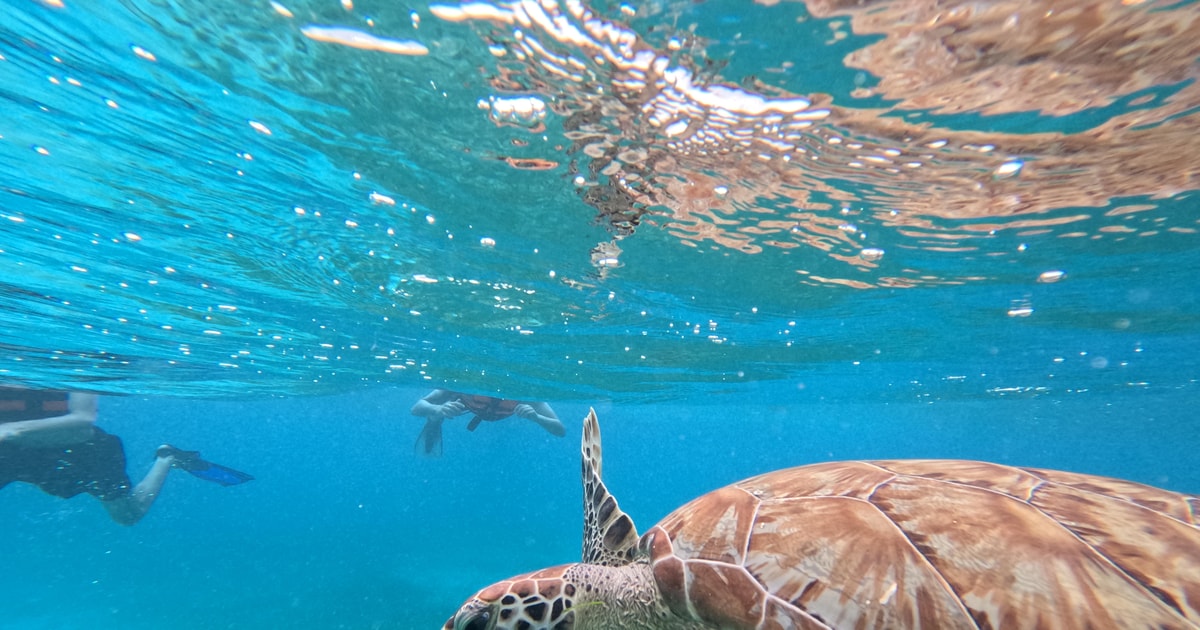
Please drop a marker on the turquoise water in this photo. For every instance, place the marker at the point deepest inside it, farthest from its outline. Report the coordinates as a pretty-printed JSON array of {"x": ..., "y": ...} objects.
[
  {"x": 796, "y": 242},
  {"x": 345, "y": 527}
]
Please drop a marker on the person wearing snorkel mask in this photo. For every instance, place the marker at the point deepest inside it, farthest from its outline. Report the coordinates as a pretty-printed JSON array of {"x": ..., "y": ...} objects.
[{"x": 441, "y": 404}]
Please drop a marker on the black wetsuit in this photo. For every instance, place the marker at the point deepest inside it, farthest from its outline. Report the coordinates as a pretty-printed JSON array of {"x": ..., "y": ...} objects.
[{"x": 96, "y": 466}]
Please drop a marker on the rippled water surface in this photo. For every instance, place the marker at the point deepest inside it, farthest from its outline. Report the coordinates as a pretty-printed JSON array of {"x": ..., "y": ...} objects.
[
  {"x": 210, "y": 198},
  {"x": 760, "y": 233}
]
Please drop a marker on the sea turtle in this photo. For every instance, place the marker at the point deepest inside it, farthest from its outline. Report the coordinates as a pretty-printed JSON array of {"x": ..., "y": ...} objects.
[{"x": 871, "y": 544}]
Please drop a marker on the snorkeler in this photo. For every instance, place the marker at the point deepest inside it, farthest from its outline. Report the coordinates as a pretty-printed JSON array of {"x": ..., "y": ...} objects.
[
  {"x": 441, "y": 404},
  {"x": 49, "y": 439}
]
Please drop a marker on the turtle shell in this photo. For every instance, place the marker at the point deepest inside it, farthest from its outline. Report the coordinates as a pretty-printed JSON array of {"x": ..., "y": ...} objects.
[{"x": 931, "y": 544}]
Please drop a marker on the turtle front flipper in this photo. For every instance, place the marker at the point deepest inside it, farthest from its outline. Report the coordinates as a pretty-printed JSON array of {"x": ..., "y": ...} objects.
[{"x": 609, "y": 535}]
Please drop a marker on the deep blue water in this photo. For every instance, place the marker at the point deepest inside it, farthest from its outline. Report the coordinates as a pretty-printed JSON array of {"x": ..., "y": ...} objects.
[
  {"x": 345, "y": 527},
  {"x": 801, "y": 242}
]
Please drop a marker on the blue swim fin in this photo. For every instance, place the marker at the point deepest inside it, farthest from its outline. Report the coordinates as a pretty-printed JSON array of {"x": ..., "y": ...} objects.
[
  {"x": 190, "y": 462},
  {"x": 217, "y": 473}
]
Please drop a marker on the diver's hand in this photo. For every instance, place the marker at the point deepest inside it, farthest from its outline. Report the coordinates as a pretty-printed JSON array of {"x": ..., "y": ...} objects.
[
  {"x": 549, "y": 423},
  {"x": 452, "y": 409}
]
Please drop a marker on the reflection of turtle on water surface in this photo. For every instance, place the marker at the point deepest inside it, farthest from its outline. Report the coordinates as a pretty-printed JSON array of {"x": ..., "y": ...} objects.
[{"x": 886, "y": 544}]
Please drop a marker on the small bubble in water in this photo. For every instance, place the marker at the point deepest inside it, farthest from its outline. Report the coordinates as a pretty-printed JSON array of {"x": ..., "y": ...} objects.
[
  {"x": 143, "y": 53},
  {"x": 1048, "y": 277},
  {"x": 721, "y": 191},
  {"x": 528, "y": 111},
  {"x": 677, "y": 127},
  {"x": 1099, "y": 363},
  {"x": 1020, "y": 310},
  {"x": 871, "y": 254},
  {"x": 1009, "y": 168},
  {"x": 487, "y": 241},
  {"x": 380, "y": 198}
]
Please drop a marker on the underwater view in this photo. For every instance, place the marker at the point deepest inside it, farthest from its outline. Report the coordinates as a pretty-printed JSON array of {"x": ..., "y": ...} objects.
[{"x": 376, "y": 261}]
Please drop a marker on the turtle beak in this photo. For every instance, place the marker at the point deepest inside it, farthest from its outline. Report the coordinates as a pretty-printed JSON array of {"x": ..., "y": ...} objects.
[{"x": 475, "y": 615}]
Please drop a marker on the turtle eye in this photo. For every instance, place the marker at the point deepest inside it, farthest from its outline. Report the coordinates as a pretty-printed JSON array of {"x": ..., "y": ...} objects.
[{"x": 474, "y": 620}]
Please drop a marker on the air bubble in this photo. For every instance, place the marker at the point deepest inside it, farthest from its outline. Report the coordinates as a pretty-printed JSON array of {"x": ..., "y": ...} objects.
[
  {"x": 526, "y": 111},
  {"x": 1009, "y": 169},
  {"x": 676, "y": 128},
  {"x": 1020, "y": 310},
  {"x": 1048, "y": 277}
]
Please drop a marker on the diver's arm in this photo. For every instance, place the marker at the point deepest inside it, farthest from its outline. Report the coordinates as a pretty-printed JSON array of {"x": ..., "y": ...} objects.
[
  {"x": 439, "y": 404},
  {"x": 71, "y": 428},
  {"x": 542, "y": 414}
]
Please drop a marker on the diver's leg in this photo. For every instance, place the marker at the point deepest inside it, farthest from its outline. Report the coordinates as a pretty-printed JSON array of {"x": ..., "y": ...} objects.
[
  {"x": 431, "y": 437},
  {"x": 130, "y": 508}
]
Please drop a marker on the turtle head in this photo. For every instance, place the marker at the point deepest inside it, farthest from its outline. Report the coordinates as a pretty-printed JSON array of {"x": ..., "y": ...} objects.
[
  {"x": 546, "y": 599},
  {"x": 542, "y": 600}
]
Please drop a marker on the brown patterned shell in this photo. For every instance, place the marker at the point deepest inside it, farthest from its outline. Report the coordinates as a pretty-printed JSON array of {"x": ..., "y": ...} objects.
[{"x": 931, "y": 544}]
